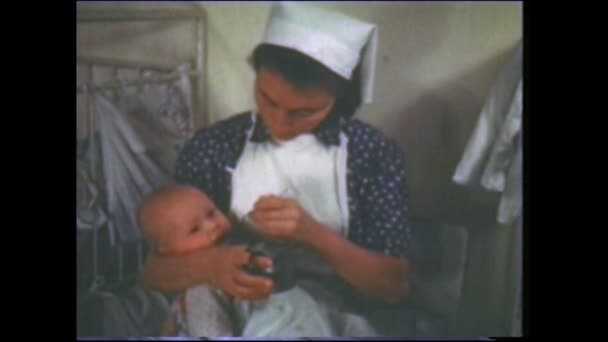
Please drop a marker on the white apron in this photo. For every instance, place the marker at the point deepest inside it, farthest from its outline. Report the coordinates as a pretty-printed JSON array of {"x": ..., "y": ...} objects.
[{"x": 314, "y": 175}]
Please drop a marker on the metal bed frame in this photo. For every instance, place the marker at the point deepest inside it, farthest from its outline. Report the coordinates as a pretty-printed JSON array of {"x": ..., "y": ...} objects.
[
  {"x": 121, "y": 15},
  {"x": 115, "y": 13}
]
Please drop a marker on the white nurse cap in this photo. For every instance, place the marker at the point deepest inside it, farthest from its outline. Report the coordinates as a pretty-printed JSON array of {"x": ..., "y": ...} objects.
[{"x": 331, "y": 38}]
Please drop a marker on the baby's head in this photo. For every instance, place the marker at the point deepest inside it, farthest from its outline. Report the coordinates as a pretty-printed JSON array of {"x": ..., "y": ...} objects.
[{"x": 179, "y": 219}]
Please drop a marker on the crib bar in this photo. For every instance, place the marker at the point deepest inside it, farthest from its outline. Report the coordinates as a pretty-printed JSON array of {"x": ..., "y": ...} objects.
[
  {"x": 120, "y": 262},
  {"x": 84, "y": 15},
  {"x": 122, "y": 63},
  {"x": 130, "y": 83},
  {"x": 87, "y": 105},
  {"x": 88, "y": 13},
  {"x": 201, "y": 86},
  {"x": 92, "y": 126},
  {"x": 140, "y": 258},
  {"x": 91, "y": 117},
  {"x": 115, "y": 76},
  {"x": 140, "y": 77}
]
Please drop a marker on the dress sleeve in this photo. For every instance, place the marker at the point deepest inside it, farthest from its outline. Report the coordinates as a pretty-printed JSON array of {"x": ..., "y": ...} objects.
[{"x": 386, "y": 224}]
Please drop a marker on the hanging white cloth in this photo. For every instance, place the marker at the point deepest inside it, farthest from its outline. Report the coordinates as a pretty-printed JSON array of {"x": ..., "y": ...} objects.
[
  {"x": 493, "y": 160},
  {"x": 140, "y": 132},
  {"x": 89, "y": 214},
  {"x": 493, "y": 155}
]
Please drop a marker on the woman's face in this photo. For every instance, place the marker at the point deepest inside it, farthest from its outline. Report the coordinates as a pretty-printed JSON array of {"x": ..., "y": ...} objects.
[{"x": 289, "y": 111}]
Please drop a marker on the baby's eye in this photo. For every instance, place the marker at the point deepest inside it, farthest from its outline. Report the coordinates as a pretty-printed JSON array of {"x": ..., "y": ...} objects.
[
  {"x": 210, "y": 213},
  {"x": 194, "y": 229}
]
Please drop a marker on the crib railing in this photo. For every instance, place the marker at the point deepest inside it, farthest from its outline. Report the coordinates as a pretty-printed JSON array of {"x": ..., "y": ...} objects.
[{"x": 115, "y": 265}]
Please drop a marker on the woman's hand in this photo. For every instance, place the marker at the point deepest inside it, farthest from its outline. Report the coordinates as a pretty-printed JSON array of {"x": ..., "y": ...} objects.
[
  {"x": 381, "y": 276},
  {"x": 283, "y": 219},
  {"x": 228, "y": 274}
]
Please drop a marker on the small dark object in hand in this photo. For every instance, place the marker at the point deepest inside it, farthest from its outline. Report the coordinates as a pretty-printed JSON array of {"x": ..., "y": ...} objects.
[{"x": 282, "y": 273}]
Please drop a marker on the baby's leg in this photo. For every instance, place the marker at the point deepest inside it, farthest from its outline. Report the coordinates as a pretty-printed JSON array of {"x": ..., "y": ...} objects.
[{"x": 207, "y": 313}]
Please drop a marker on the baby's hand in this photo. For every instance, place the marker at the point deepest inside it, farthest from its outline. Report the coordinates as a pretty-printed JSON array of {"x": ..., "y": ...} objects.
[
  {"x": 230, "y": 276},
  {"x": 259, "y": 264}
]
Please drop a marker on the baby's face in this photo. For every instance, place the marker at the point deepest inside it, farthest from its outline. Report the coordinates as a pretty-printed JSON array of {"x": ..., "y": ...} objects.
[{"x": 188, "y": 221}]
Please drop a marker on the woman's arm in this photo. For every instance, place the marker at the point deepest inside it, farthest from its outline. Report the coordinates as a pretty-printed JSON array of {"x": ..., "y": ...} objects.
[
  {"x": 377, "y": 275},
  {"x": 174, "y": 274},
  {"x": 380, "y": 276},
  {"x": 218, "y": 266}
]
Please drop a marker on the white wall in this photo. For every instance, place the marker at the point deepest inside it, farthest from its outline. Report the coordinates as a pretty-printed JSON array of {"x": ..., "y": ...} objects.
[{"x": 436, "y": 64}]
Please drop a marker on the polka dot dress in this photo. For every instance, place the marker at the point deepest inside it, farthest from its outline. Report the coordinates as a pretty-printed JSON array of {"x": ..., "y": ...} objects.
[{"x": 376, "y": 182}]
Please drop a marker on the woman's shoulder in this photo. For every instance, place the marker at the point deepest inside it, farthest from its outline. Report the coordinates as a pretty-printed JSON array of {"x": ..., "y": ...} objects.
[
  {"x": 225, "y": 129},
  {"x": 372, "y": 152},
  {"x": 363, "y": 136},
  {"x": 223, "y": 139}
]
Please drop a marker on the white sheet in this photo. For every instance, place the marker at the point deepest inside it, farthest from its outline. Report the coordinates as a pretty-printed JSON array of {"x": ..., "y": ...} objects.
[
  {"x": 140, "y": 133},
  {"x": 493, "y": 155}
]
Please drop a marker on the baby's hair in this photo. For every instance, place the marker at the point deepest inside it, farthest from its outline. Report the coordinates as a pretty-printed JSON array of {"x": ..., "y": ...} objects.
[{"x": 158, "y": 194}]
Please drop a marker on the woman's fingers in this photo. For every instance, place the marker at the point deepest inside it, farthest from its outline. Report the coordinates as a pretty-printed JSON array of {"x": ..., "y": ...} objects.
[
  {"x": 240, "y": 256},
  {"x": 279, "y": 227},
  {"x": 247, "y": 286},
  {"x": 242, "y": 278},
  {"x": 275, "y": 228},
  {"x": 236, "y": 282},
  {"x": 263, "y": 262},
  {"x": 287, "y": 213},
  {"x": 270, "y": 202}
]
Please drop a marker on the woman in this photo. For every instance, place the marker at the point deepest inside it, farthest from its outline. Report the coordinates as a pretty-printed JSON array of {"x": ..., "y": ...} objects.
[{"x": 303, "y": 171}]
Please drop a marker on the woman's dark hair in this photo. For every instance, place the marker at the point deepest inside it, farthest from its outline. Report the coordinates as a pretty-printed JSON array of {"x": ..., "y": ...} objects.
[{"x": 304, "y": 72}]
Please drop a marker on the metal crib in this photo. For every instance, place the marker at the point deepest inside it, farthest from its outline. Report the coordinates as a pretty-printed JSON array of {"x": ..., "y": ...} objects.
[{"x": 107, "y": 268}]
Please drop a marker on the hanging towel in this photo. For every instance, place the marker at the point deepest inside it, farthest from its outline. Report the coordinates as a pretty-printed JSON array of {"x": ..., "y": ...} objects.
[{"x": 492, "y": 156}]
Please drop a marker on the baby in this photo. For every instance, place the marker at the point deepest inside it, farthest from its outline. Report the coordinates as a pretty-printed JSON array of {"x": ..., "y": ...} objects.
[
  {"x": 180, "y": 219},
  {"x": 177, "y": 220}
]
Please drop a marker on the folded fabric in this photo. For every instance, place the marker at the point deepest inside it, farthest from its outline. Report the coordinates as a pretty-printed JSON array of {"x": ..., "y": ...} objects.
[{"x": 493, "y": 155}]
